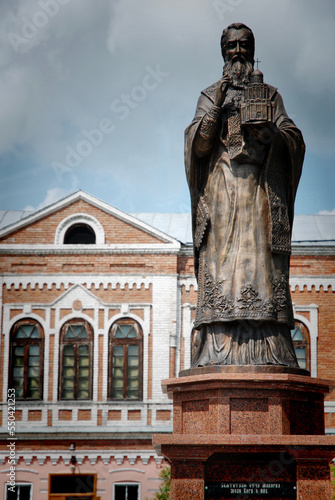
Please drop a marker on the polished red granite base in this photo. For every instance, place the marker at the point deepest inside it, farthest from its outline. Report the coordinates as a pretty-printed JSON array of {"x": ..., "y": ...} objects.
[{"x": 248, "y": 435}]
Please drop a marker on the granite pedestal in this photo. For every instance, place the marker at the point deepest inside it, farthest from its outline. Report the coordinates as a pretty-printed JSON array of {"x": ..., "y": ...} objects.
[{"x": 242, "y": 433}]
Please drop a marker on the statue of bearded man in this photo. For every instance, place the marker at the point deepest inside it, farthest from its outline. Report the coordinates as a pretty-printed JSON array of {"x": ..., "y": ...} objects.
[{"x": 243, "y": 159}]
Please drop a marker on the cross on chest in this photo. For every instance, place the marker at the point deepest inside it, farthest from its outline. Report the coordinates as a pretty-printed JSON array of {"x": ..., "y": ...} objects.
[{"x": 281, "y": 207}]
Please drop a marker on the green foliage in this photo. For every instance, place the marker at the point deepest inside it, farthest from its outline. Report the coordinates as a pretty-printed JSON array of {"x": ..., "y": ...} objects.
[
  {"x": 164, "y": 489},
  {"x": 332, "y": 476}
]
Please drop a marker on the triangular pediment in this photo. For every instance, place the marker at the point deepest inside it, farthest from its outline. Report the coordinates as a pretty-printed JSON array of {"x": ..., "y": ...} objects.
[
  {"x": 78, "y": 298},
  {"x": 113, "y": 226}
]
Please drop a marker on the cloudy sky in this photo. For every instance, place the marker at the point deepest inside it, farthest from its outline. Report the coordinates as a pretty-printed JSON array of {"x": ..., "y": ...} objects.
[{"x": 95, "y": 95}]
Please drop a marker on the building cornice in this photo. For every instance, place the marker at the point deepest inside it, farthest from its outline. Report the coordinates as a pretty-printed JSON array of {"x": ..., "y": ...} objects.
[
  {"x": 297, "y": 249},
  {"x": 133, "y": 248},
  {"x": 313, "y": 250},
  {"x": 92, "y": 455}
]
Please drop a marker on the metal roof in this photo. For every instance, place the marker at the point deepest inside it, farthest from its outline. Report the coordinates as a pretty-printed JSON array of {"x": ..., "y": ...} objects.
[
  {"x": 307, "y": 229},
  {"x": 8, "y": 217},
  {"x": 314, "y": 228},
  {"x": 179, "y": 226}
]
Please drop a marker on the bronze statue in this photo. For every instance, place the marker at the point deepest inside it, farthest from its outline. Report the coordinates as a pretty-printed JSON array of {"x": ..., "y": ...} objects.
[{"x": 243, "y": 159}]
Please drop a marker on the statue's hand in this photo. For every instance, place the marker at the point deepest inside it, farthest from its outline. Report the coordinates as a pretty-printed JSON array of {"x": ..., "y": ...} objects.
[
  {"x": 262, "y": 132},
  {"x": 221, "y": 91}
]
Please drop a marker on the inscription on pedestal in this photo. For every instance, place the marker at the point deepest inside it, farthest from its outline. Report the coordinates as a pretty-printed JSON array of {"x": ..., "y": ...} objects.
[{"x": 243, "y": 490}]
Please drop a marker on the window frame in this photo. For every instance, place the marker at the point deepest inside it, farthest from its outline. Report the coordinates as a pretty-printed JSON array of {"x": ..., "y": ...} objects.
[
  {"x": 76, "y": 342},
  {"x": 26, "y": 342},
  {"x": 305, "y": 343},
  {"x": 21, "y": 483},
  {"x": 112, "y": 341},
  {"x": 127, "y": 483}
]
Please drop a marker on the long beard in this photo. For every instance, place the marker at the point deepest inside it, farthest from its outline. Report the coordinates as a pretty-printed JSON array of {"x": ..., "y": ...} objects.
[{"x": 238, "y": 71}]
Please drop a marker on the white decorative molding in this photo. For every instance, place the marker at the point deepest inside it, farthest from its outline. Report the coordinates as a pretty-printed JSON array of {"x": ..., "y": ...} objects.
[
  {"x": 295, "y": 281},
  {"x": 19, "y": 470},
  {"x": 124, "y": 425},
  {"x": 187, "y": 282},
  {"x": 124, "y": 308},
  {"x": 27, "y": 308},
  {"x": 164, "y": 314},
  {"x": 80, "y": 218},
  {"x": 92, "y": 455},
  {"x": 90, "y": 280},
  {"x": 187, "y": 326},
  {"x": 77, "y": 292},
  {"x": 110, "y": 249},
  {"x": 173, "y": 340},
  {"x": 128, "y": 470},
  {"x": 178, "y": 331},
  {"x": 329, "y": 406},
  {"x": 317, "y": 248},
  {"x": 310, "y": 281}
]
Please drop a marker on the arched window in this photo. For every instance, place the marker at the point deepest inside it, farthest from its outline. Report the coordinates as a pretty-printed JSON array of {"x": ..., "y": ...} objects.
[
  {"x": 79, "y": 234},
  {"x": 301, "y": 343},
  {"x": 125, "y": 362},
  {"x": 26, "y": 359},
  {"x": 76, "y": 348}
]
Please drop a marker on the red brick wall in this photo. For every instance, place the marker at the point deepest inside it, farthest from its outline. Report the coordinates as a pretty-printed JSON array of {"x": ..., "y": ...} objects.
[
  {"x": 84, "y": 414},
  {"x": 34, "y": 415},
  {"x": 163, "y": 415},
  {"x": 185, "y": 265},
  {"x": 65, "y": 414},
  {"x": 47, "y": 296},
  {"x": 86, "y": 263},
  {"x": 313, "y": 265}
]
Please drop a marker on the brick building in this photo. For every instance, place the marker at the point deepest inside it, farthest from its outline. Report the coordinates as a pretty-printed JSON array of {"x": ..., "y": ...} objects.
[{"x": 97, "y": 308}]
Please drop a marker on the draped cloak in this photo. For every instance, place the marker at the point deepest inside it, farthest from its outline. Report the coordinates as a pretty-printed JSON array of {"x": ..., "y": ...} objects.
[{"x": 242, "y": 216}]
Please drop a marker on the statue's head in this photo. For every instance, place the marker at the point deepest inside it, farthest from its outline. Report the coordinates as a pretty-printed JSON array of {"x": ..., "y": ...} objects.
[
  {"x": 238, "y": 49},
  {"x": 237, "y": 41}
]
